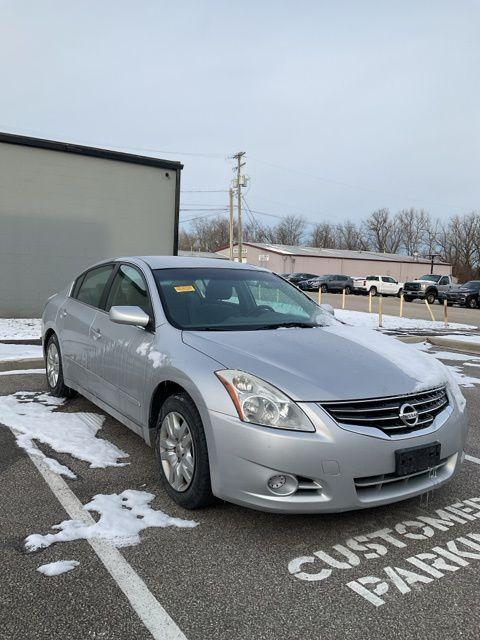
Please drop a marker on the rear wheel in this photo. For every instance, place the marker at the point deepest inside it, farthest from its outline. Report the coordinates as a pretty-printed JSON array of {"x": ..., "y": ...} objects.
[
  {"x": 472, "y": 302},
  {"x": 324, "y": 288},
  {"x": 182, "y": 454},
  {"x": 54, "y": 369}
]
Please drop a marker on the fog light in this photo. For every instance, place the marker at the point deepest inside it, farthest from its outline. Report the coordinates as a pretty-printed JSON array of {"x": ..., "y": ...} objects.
[{"x": 283, "y": 484}]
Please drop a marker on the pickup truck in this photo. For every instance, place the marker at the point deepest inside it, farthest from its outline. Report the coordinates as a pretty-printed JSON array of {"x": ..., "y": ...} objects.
[
  {"x": 430, "y": 287},
  {"x": 384, "y": 285}
]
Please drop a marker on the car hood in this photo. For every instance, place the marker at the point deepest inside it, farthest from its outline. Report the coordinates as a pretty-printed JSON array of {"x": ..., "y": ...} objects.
[{"x": 325, "y": 363}]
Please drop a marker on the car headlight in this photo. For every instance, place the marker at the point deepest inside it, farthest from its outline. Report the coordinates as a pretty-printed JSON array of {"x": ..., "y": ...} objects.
[
  {"x": 423, "y": 285},
  {"x": 258, "y": 402}
]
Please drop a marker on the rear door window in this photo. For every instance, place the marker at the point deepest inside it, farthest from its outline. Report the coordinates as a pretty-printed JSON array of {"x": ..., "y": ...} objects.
[{"x": 90, "y": 291}]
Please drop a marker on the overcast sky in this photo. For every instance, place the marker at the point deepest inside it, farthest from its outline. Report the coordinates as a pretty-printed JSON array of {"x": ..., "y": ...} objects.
[{"x": 342, "y": 106}]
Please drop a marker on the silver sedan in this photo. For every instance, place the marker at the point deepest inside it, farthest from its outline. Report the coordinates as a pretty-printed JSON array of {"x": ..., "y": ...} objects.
[{"x": 249, "y": 391}]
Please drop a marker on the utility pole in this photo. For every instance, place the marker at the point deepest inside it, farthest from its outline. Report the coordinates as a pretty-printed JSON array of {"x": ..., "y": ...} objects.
[
  {"x": 230, "y": 193},
  {"x": 238, "y": 157}
]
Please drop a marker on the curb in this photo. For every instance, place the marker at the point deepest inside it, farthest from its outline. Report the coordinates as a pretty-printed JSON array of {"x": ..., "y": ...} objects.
[{"x": 462, "y": 345}]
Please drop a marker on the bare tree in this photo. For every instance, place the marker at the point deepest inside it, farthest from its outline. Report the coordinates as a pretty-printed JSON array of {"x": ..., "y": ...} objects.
[
  {"x": 413, "y": 228},
  {"x": 290, "y": 230},
  {"x": 350, "y": 236},
  {"x": 382, "y": 232},
  {"x": 324, "y": 235}
]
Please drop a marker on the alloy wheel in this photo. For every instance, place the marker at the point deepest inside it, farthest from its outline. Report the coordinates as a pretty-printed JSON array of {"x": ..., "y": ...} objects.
[
  {"x": 177, "y": 452},
  {"x": 53, "y": 364}
]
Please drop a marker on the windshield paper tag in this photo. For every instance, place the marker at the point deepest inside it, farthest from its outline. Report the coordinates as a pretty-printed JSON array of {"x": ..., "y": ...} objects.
[{"x": 185, "y": 288}]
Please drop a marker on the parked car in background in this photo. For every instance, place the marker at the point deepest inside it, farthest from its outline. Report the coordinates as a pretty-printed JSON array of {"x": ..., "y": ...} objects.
[
  {"x": 466, "y": 295},
  {"x": 249, "y": 391},
  {"x": 384, "y": 285},
  {"x": 430, "y": 287},
  {"x": 328, "y": 284},
  {"x": 296, "y": 278}
]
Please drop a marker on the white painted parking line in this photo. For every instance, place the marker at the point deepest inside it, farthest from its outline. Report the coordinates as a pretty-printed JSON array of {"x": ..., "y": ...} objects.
[
  {"x": 472, "y": 459},
  {"x": 16, "y": 372},
  {"x": 146, "y": 606}
]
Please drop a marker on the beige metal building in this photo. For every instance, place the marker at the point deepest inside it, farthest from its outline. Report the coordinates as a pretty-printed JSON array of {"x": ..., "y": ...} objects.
[
  {"x": 297, "y": 259},
  {"x": 64, "y": 207}
]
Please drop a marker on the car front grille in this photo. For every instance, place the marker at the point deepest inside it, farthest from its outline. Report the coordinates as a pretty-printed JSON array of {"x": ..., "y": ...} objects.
[
  {"x": 384, "y": 413},
  {"x": 411, "y": 286}
]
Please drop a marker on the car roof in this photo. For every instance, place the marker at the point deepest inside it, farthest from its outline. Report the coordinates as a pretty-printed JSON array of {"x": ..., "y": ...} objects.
[{"x": 186, "y": 262}]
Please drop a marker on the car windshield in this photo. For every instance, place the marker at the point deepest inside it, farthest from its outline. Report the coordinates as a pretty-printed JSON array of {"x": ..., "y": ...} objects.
[
  {"x": 206, "y": 299},
  {"x": 431, "y": 278},
  {"x": 471, "y": 284}
]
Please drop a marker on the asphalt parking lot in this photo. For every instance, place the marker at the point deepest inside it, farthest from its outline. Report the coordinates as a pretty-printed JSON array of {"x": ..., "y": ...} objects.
[{"x": 240, "y": 573}]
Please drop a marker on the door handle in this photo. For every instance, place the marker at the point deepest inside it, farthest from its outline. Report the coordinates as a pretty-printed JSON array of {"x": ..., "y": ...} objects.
[{"x": 96, "y": 334}]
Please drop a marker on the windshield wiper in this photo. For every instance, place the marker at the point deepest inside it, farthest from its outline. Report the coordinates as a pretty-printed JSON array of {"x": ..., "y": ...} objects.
[{"x": 281, "y": 325}]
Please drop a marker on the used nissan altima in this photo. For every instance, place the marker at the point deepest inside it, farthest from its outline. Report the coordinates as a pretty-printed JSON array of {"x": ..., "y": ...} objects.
[{"x": 249, "y": 391}]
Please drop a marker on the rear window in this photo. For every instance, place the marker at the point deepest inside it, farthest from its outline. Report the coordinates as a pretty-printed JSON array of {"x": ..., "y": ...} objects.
[{"x": 90, "y": 291}]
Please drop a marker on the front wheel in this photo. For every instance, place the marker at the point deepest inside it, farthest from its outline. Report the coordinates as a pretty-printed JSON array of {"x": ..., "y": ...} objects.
[
  {"x": 182, "y": 454},
  {"x": 54, "y": 369},
  {"x": 399, "y": 294},
  {"x": 373, "y": 291},
  {"x": 431, "y": 297},
  {"x": 408, "y": 298},
  {"x": 348, "y": 291},
  {"x": 324, "y": 288}
]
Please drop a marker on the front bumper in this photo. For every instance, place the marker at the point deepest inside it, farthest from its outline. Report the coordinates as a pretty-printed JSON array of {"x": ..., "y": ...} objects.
[
  {"x": 414, "y": 294},
  {"x": 338, "y": 469}
]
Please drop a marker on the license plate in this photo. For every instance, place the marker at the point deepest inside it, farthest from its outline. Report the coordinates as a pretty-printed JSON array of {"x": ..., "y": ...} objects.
[{"x": 416, "y": 459}]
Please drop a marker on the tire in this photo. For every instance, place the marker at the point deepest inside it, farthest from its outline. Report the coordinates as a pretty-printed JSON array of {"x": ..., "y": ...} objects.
[
  {"x": 348, "y": 291},
  {"x": 324, "y": 288},
  {"x": 471, "y": 302},
  {"x": 373, "y": 291},
  {"x": 54, "y": 370},
  {"x": 196, "y": 492},
  {"x": 430, "y": 297},
  {"x": 399, "y": 294},
  {"x": 408, "y": 298}
]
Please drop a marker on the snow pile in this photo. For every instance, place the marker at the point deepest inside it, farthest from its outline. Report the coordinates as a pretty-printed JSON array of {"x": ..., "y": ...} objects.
[
  {"x": 462, "y": 379},
  {"x": 470, "y": 339},
  {"x": 20, "y": 328},
  {"x": 11, "y": 352},
  {"x": 122, "y": 517},
  {"x": 370, "y": 320},
  {"x": 56, "y": 568},
  {"x": 32, "y": 416},
  {"x": 428, "y": 372}
]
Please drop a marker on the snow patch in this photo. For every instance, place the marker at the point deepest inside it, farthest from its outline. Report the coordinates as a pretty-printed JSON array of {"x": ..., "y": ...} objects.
[
  {"x": 20, "y": 328},
  {"x": 32, "y": 416},
  {"x": 11, "y": 352},
  {"x": 122, "y": 517},
  {"x": 56, "y": 568},
  {"x": 370, "y": 320},
  {"x": 428, "y": 372},
  {"x": 462, "y": 379}
]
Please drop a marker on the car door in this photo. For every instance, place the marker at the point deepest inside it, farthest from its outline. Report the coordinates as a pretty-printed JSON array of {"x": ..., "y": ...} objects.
[
  {"x": 122, "y": 350},
  {"x": 389, "y": 286},
  {"x": 75, "y": 318},
  {"x": 444, "y": 284}
]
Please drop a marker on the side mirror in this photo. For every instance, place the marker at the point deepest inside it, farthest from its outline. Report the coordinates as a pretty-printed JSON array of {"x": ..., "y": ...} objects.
[
  {"x": 328, "y": 308},
  {"x": 129, "y": 315}
]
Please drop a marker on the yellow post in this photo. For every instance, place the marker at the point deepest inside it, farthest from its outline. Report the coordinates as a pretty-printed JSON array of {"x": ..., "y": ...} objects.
[
  {"x": 369, "y": 302},
  {"x": 319, "y": 295},
  {"x": 401, "y": 305},
  {"x": 380, "y": 309},
  {"x": 429, "y": 310},
  {"x": 343, "y": 299},
  {"x": 445, "y": 312}
]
